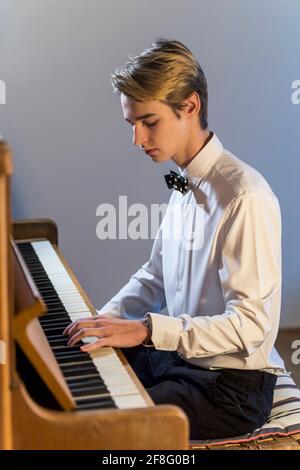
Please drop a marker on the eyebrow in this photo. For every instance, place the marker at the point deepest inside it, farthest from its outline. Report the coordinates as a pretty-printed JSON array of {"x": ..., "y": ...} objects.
[{"x": 144, "y": 116}]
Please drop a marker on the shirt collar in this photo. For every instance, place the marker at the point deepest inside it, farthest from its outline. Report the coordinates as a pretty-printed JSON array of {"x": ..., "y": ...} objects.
[{"x": 199, "y": 167}]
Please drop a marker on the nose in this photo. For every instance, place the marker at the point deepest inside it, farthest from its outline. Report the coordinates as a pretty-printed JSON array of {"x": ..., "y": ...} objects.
[{"x": 139, "y": 136}]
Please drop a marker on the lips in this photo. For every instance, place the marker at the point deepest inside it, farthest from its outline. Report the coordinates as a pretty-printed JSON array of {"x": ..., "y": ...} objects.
[{"x": 151, "y": 151}]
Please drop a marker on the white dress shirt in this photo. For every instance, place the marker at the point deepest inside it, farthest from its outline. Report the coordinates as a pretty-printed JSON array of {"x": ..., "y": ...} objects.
[{"x": 217, "y": 268}]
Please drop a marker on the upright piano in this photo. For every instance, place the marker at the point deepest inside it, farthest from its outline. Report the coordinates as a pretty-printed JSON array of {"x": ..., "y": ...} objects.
[{"x": 53, "y": 396}]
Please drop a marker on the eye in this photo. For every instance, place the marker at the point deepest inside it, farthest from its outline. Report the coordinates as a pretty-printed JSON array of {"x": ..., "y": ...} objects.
[{"x": 150, "y": 124}]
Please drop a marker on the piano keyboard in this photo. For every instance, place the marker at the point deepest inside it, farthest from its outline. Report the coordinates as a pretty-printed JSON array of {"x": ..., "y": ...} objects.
[{"x": 96, "y": 380}]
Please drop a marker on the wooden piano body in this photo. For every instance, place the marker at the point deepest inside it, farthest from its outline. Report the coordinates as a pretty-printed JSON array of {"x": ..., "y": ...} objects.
[{"x": 29, "y": 372}]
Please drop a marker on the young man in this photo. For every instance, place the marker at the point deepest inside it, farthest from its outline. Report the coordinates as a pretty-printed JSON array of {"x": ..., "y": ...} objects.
[{"x": 213, "y": 355}]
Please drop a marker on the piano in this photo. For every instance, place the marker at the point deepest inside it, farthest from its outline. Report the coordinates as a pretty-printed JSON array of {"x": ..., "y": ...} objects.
[{"x": 53, "y": 396}]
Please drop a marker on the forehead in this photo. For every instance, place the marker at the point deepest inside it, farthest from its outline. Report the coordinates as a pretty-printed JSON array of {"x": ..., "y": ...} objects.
[{"x": 132, "y": 109}]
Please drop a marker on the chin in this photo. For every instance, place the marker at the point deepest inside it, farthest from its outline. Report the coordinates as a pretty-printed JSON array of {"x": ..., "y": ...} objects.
[
  {"x": 160, "y": 158},
  {"x": 157, "y": 159}
]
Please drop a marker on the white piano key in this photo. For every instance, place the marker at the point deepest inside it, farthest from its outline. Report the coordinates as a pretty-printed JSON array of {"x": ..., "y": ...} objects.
[{"x": 130, "y": 401}]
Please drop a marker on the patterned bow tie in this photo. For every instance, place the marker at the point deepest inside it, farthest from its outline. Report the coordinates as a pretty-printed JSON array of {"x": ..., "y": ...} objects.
[{"x": 174, "y": 180}]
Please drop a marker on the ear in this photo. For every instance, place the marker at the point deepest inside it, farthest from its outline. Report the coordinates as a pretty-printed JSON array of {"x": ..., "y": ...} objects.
[{"x": 192, "y": 105}]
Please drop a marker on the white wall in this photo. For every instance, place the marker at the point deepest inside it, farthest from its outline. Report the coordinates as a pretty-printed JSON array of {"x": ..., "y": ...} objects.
[{"x": 72, "y": 149}]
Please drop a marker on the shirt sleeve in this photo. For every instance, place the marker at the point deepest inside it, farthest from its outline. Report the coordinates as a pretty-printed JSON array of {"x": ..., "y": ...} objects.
[
  {"x": 250, "y": 275},
  {"x": 144, "y": 291}
]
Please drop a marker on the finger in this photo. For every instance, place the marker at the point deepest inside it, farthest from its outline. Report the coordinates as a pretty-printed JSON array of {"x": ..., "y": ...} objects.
[
  {"x": 90, "y": 322},
  {"x": 79, "y": 324},
  {"x": 84, "y": 333},
  {"x": 92, "y": 347},
  {"x": 71, "y": 326},
  {"x": 83, "y": 324}
]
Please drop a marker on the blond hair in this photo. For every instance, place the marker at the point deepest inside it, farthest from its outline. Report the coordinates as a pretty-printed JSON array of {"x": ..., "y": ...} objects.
[{"x": 167, "y": 72}]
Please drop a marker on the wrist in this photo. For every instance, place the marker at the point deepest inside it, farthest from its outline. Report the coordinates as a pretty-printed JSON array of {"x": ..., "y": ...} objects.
[{"x": 147, "y": 322}]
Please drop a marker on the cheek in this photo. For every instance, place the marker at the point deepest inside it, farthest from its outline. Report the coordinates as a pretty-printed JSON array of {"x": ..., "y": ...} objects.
[
  {"x": 170, "y": 133},
  {"x": 175, "y": 137}
]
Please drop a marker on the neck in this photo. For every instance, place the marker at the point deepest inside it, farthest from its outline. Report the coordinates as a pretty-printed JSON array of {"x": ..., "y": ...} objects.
[{"x": 193, "y": 147}]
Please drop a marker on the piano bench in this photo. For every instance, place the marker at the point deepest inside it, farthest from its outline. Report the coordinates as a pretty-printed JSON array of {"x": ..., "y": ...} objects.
[{"x": 268, "y": 443}]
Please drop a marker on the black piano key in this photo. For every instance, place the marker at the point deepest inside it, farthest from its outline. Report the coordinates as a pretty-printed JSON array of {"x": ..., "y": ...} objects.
[
  {"x": 58, "y": 341},
  {"x": 56, "y": 344},
  {"x": 71, "y": 351},
  {"x": 51, "y": 334},
  {"x": 89, "y": 400},
  {"x": 76, "y": 370},
  {"x": 55, "y": 337},
  {"x": 86, "y": 384},
  {"x": 50, "y": 330},
  {"x": 52, "y": 323},
  {"x": 88, "y": 391},
  {"x": 56, "y": 311},
  {"x": 47, "y": 291},
  {"x": 50, "y": 301},
  {"x": 55, "y": 317},
  {"x": 55, "y": 322},
  {"x": 49, "y": 298},
  {"x": 100, "y": 396},
  {"x": 76, "y": 378},
  {"x": 96, "y": 405},
  {"x": 70, "y": 359},
  {"x": 75, "y": 357},
  {"x": 58, "y": 349},
  {"x": 52, "y": 318}
]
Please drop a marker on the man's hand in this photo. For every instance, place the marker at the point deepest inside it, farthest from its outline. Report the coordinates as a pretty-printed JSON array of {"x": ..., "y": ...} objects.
[{"x": 110, "y": 331}]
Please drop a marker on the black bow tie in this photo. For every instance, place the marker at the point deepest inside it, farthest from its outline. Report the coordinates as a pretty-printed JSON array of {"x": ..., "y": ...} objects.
[{"x": 174, "y": 180}]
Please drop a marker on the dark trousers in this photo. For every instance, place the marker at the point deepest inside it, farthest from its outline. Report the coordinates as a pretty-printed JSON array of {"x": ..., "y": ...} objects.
[{"x": 219, "y": 403}]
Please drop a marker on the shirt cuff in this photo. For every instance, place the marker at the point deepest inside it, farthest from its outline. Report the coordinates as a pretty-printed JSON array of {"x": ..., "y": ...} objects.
[{"x": 165, "y": 332}]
